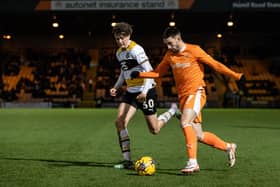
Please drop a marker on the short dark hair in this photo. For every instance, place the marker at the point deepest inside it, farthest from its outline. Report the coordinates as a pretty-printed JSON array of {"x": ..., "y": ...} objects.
[
  {"x": 122, "y": 28},
  {"x": 170, "y": 31}
]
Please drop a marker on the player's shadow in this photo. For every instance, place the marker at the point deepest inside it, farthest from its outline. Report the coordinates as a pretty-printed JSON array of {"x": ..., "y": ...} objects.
[
  {"x": 65, "y": 163},
  {"x": 177, "y": 172},
  {"x": 162, "y": 171}
]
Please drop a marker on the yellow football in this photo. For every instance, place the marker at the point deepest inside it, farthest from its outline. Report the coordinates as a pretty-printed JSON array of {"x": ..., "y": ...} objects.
[{"x": 145, "y": 166}]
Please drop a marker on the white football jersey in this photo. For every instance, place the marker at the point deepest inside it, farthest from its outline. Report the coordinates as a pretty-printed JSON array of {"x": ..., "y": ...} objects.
[{"x": 134, "y": 58}]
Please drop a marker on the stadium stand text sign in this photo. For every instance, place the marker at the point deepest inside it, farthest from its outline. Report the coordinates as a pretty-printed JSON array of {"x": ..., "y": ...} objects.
[
  {"x": 192, "y": 5},
  {"x": 113, "y": 4}
]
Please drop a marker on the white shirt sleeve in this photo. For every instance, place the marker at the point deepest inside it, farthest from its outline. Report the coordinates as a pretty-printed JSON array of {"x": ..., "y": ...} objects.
[
  {"x": 148, "y": 82},
  {"x": 120, "y": 80},
  {"x": 143, "y": 60}
]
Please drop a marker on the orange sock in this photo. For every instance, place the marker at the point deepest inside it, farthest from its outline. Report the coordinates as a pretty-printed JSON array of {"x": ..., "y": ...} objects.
[
  {"x": 213, "y": 140},
  {"x": 191, "y": 142}
]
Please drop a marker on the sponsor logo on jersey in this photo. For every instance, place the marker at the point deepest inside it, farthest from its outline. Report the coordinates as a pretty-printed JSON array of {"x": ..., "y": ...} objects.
[
  {"x": 134, "y": 82},
  {"x": 181, "y": 65}
]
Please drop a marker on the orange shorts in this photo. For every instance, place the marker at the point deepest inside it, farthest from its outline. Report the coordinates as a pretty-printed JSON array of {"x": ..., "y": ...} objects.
[{"x": 195, "y": 102}]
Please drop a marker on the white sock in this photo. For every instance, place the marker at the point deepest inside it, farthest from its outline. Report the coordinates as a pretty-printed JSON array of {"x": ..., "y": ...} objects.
[
  {"x": 193, "y": 161},
  {"x": 166, "y": 116},
  {"x": 172, "y": 111},
  {"x": 173, "y": 108}
]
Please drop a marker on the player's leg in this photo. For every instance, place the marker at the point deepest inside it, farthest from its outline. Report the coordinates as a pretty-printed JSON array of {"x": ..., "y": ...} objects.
[
  {"x": 149, "y": 108},
  {"x": 155, "y": 122},
  {"x": 188, "y": 115},
  {"x": 213, "y": 140},
  {"x": 172, "y": 111},
  {"x": 191, "y": 107},
  {"x": 125, "y": 113}
]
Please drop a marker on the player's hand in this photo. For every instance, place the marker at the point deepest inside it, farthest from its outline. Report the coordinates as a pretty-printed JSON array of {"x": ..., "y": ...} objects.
[
  {"x": 241, "y": 82},
  {"x": 243, "y": 78},
  {"x": 134, "y": 74},
  {"x": 141, "y": 97},
  {"x": 113, "y": 92}
]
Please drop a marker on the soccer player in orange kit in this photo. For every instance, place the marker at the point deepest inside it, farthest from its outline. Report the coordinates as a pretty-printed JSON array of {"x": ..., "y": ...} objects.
[{"x": 187, "y": 63}]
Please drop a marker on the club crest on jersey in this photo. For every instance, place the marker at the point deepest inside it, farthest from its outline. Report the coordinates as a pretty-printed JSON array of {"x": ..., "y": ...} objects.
[
  {"x": 187, "y": 55},
  {"x": 124, "y": 66},
  {"x": 128, "y": 64}
]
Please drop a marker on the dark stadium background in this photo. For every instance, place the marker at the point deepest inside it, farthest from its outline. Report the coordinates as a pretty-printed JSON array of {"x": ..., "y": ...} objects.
[{"x": 255, "y": 35}]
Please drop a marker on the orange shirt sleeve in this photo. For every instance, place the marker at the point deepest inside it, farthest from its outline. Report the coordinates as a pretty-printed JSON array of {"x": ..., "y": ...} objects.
[
  {"x": 203, "y": 57},
  {"x": 150, "y": 74},
  {"x": 160, "y": 70}
]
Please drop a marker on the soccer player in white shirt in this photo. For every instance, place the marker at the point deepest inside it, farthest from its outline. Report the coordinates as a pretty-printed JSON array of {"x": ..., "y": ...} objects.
[{"x": 140, "y": 92}]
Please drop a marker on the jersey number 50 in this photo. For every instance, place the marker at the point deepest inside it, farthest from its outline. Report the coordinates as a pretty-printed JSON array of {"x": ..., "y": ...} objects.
[{"x": 148, "y": 104}]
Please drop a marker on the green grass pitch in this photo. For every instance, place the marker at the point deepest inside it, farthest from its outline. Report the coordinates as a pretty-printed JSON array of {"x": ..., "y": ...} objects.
[{"x": 78, "y": 147}]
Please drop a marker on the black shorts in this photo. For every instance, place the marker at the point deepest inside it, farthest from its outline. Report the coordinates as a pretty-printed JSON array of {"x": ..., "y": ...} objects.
[{"x": 148, "y": 107}]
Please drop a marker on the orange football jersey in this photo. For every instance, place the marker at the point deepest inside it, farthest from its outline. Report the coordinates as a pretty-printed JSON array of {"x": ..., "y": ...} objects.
[{"x": 188, "y": 69}]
